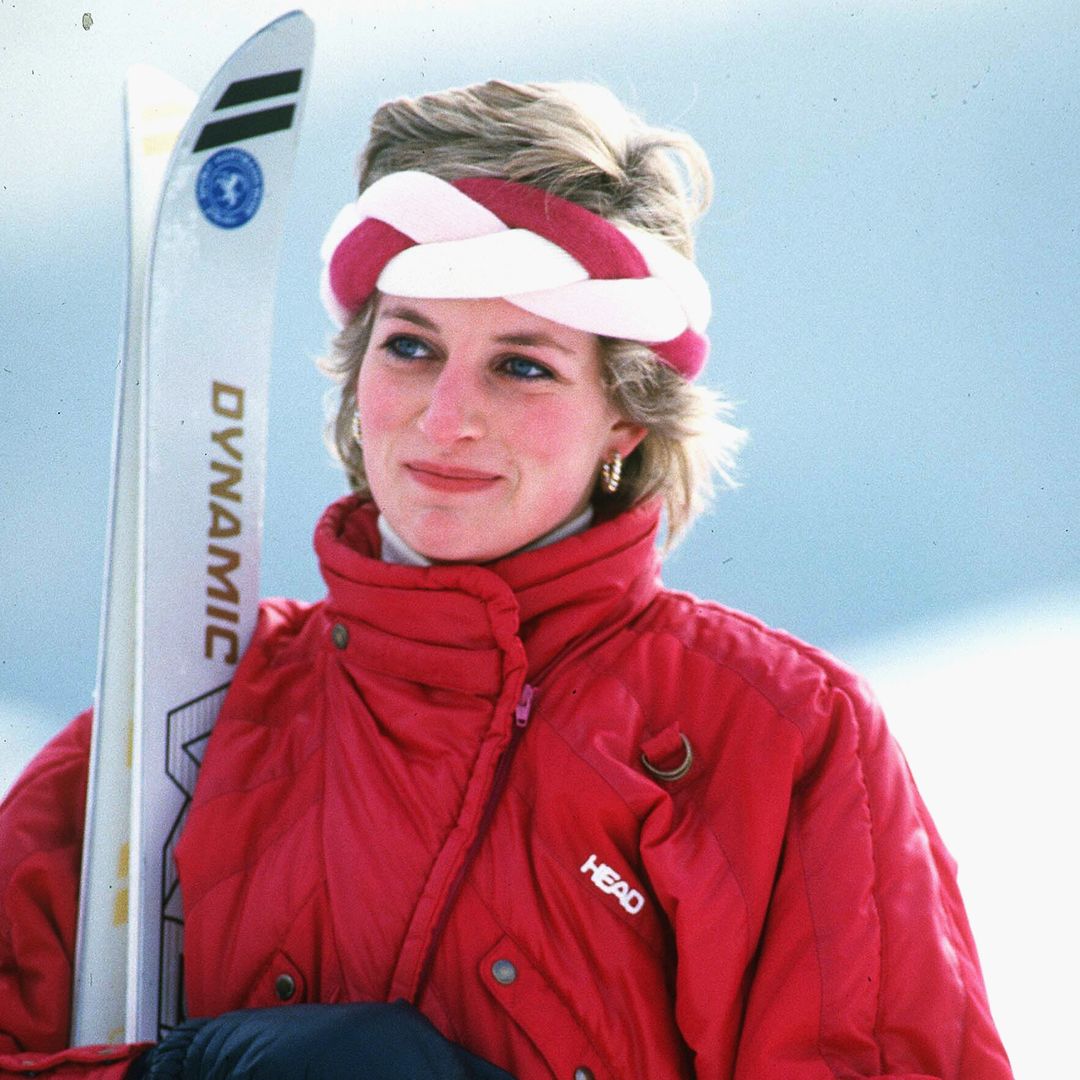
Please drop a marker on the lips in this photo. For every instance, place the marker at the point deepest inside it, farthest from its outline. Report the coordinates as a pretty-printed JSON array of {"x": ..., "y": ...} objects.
[{"x": 450, "y": 478}]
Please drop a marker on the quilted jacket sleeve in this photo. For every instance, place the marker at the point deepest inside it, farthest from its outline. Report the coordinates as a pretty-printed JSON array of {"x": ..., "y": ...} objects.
[
  {"x": 865, "y": 965},
  {"x": 40, "y": 850}
]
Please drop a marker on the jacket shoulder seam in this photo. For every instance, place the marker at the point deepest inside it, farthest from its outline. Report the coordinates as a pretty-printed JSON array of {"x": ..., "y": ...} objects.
[{"x": 782, "y": 713}]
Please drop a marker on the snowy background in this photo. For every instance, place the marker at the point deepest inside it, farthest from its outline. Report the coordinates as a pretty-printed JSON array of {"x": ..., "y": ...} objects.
[{"x": 894, "y": 253}]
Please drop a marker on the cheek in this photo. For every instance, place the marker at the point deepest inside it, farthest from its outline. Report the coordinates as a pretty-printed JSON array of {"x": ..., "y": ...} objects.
[
  {"x": 568, "y": 441},
  {"x": 376, "y": 401}
]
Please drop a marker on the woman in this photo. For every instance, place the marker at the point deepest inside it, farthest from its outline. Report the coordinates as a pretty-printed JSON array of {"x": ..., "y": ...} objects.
[{"x": 586, "y": 827}]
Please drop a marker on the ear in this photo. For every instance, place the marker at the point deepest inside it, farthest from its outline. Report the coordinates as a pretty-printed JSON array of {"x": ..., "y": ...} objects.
[{"x": 625, "y": 437}]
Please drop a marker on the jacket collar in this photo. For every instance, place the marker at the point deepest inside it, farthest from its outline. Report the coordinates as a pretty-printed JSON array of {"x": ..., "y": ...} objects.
[{"x": 465, "y": 627}]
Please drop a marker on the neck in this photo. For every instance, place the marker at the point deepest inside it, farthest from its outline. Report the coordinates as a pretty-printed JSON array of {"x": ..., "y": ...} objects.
[{"x": 395, "y": 550}]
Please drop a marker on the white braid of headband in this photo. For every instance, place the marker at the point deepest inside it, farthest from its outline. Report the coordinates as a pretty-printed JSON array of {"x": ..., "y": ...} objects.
[{"x": 412, "y": 234}]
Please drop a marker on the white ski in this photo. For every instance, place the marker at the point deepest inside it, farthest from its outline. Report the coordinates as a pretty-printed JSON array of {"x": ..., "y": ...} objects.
[
  {"x": 155, "y": 108},
  {"x": 207, "y": 324}
]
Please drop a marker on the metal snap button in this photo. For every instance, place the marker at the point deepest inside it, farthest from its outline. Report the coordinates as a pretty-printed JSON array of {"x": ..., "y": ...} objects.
[
  {"x": 583, "y": 1072},
  {"x": 284, "y": 986},
  {"x": 504, "y": 972},
  {"x": 340, "y": 635}
]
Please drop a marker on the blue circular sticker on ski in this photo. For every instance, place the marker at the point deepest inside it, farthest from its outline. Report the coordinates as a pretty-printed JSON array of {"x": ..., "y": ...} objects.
[{"x": 229, "y": 188}]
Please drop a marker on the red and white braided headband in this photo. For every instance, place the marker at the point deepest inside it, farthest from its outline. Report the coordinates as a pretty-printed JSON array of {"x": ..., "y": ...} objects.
[{"x": 412, "y": 234}]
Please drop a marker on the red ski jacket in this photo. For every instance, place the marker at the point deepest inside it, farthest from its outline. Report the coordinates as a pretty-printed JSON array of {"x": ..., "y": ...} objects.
[{"x": 464, "y": 786}]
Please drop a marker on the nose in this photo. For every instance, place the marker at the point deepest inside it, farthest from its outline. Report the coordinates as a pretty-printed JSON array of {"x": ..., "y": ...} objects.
[{"x": 455, "y": 408}]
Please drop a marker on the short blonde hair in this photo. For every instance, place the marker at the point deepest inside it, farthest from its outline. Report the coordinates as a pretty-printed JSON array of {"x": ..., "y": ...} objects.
[{"x": 579, "y": 142}]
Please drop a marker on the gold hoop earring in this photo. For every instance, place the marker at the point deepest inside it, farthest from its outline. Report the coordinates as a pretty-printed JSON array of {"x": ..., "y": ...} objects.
[
  {"x": 357, "y": 437},
  {"x": 611, "y": 473}
]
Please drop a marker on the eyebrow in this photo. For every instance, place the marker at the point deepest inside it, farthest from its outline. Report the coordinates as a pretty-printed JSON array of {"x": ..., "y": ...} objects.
[
  {"x": 409, "y": 315},
  {"x": 536, "y": 340}
]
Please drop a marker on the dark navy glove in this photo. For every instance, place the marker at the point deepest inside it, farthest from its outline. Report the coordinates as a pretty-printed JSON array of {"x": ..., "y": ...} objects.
[{"x": 322, "y": 1042}]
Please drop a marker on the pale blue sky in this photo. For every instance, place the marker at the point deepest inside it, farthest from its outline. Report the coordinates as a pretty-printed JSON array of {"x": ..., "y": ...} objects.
[{"x": 893, "y": 251}]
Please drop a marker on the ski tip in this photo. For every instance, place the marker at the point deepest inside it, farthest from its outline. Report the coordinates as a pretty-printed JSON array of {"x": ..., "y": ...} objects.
[
  {"x": 147, "y": 82},
  {"x": 156, "y": 107},
  {"x": 296, "y": 13},
  {"x": 296, "y": 21}
]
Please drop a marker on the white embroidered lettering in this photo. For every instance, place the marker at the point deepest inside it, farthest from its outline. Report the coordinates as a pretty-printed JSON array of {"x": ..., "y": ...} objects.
[
  {"x": 609, "y": 881},
  {"x": 605, "y": 878}
]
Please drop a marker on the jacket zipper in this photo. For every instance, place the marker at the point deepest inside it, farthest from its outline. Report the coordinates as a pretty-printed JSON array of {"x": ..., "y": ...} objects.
[{"x": 522, "y": 712}]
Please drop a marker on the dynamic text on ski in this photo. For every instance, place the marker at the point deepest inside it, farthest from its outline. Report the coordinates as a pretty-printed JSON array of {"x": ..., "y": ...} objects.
[{"x": 225, "y": 524}]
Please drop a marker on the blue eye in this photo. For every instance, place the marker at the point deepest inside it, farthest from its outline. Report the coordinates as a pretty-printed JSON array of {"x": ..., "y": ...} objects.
[
  {"x": 407, "y": 347},
  {"x": 521, "y": 367}
]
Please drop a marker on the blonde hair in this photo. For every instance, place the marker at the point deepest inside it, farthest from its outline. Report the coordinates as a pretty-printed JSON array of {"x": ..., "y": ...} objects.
[{"x": 579, "y": 142}]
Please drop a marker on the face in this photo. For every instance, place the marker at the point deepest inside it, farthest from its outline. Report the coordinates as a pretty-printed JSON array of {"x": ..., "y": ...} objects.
[{"x": 484, "y": 426}]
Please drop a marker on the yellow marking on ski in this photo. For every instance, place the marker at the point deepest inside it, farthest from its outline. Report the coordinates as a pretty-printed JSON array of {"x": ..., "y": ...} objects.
[
  {"x": 123, "y": 857},
  {"x": 116, "y": 1036},
  {"x": 162, "y": 110},
  {"x": 120, "y": 908},
  {"x": 152, "y": 145}
]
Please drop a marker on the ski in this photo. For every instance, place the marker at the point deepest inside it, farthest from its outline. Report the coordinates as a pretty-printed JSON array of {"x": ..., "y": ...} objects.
[
  {"x": 155, "y": 109},
  {"x": 207, "y": 319}
]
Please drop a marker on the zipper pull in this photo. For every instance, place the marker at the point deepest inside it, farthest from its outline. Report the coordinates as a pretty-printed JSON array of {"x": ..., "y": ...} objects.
[{"x": 524, "y": 706}]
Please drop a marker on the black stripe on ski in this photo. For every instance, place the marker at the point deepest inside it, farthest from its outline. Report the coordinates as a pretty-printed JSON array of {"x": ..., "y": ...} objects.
[
  {"x": 248, "y": 126},
  {"x": 244, "y": 91}
]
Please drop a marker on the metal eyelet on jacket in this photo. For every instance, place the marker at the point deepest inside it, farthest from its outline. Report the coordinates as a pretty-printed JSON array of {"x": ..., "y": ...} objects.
[
  {"x": 284, "y": 986},
  {"x": 340, "y": 635},
  {"x": 680, "y": 770}
]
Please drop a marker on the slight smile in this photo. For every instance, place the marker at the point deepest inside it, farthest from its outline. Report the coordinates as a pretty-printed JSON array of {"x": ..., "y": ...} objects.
[{"x": 450, "y": 478}]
